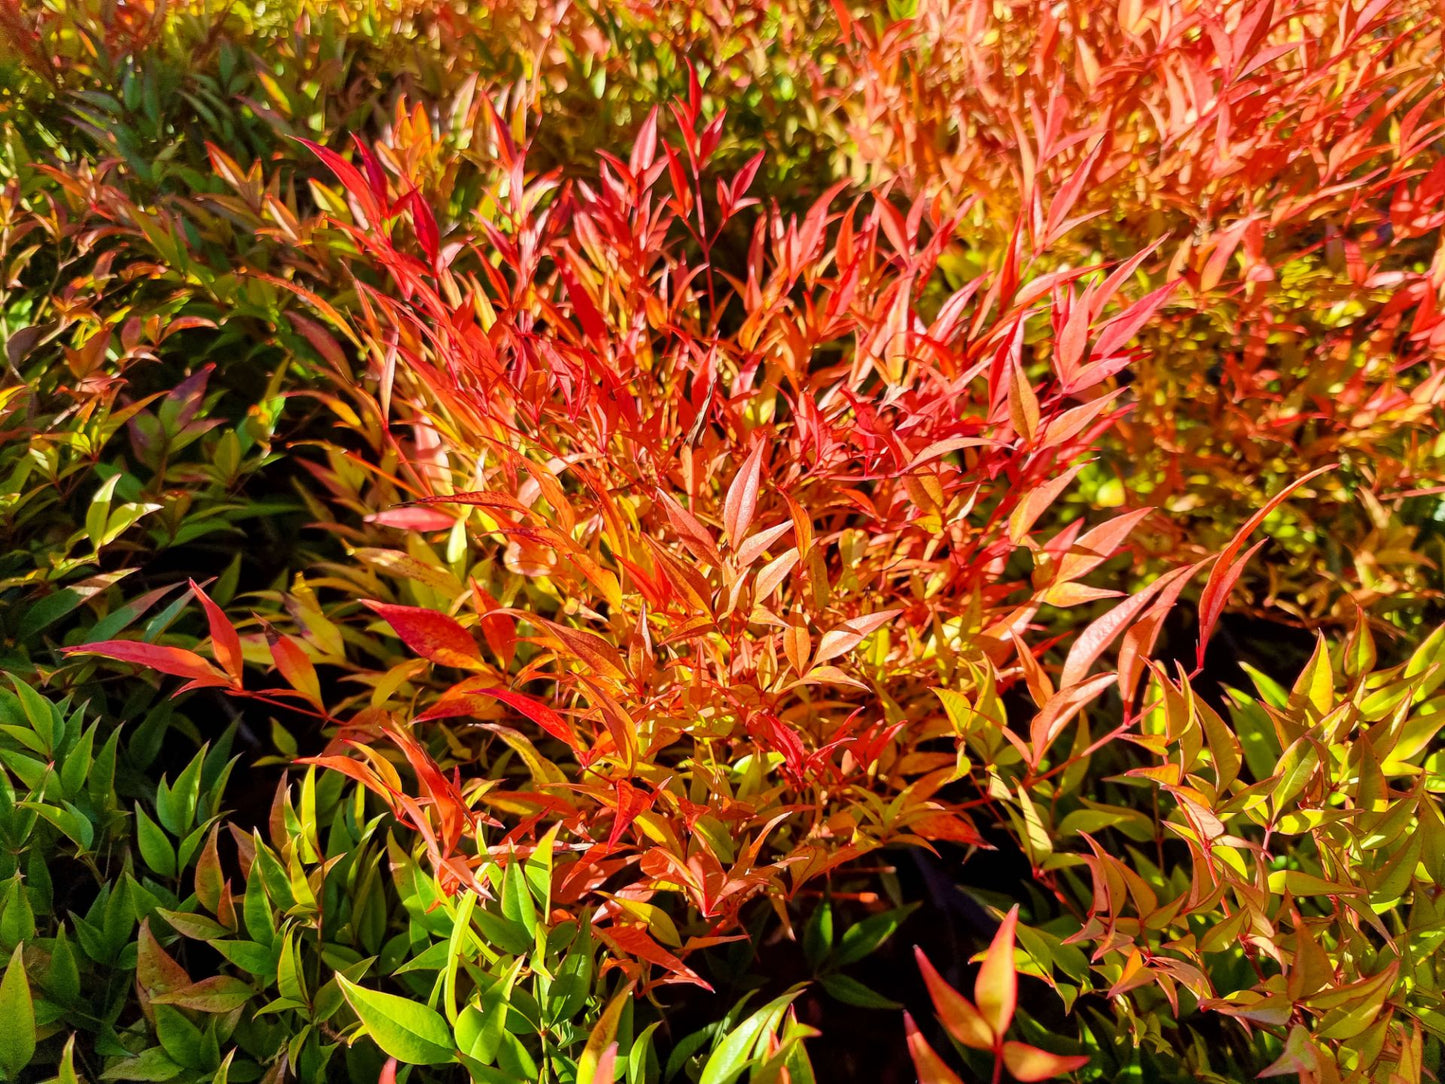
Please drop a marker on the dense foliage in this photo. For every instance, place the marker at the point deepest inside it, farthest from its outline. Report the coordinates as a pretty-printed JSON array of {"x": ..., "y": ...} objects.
[{"x": 574, "y": 542}]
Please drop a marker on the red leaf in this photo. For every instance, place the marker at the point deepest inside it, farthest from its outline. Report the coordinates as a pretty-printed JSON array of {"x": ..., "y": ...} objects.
[
  {"x": 694, "y": 535},
  {"x": 175, "y": 661},
  {"x": 375, "y": 175},
  {"x": 225, "y": 644},
  {"x": 351, "y": 179},
  {"x": 756, "y": 546},
  {"x": 850, "y": 634},
  {"x": 432, "y": 635},
  {"x": 1060, "y": 708},
  {"x": 1092, "y": 642},
  {"x": 426, "y": 226},
  {"x": 533, "y": 709},
  {"x": 632, "y": 941},
  {"x": 1226, "y": 571}
]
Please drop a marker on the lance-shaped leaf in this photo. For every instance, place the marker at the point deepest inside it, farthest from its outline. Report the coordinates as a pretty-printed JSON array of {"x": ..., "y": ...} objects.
[
  {"x": 850, "y": 634},
  {"x": 957, "y": 1013},
  {"x": 742, "y": 498},
  {"x": 1227, "y": 568},
  {"x": 225, "y": 644},
  {"x": 995, "y": 991},
  {"x": 174, "y": 661},
  {"x": 929, "y": 1066},
  {"x": 1029, "y": 1063},
  {"x": 432, "y": 635},
  {"x": 406, "y": 1030}
]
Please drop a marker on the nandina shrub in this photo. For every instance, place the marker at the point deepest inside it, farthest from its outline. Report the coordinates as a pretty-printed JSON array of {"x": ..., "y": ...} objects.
[
  {"x": 1290, "y": 880},
  {"x": 1280, "y": 161},
  {"x": 722, "y": 533}
]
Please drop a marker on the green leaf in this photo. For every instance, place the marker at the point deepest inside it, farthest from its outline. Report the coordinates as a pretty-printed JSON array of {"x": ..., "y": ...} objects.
[
  {"x": 818, "y": 935},
  {"x": 405, "y": 1030},
  {"x": 517, "y": 901},
  {"x": 852, "y": 992},
  {"x": 62, "y": 980},
  {"x": 17, "y": 1017},
  {"x": 863, "y": 938},
  {"x": 181, "y": 1039},
  {"x": 736, "y": 1052},
  {"x": 152, "y": 1064},
  {"x": 155, "y": 848},
  {"x": 17, "y": 918},
  {"x": 66, "y": 1074}
]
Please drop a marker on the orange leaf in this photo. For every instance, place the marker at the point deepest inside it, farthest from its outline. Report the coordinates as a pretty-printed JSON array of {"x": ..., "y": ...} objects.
[
  {"x": 955, "y": 1011},
  {"x": 930, "y": 1069},
  {"x": 850, "y": 634},
  {"x": 1029, "y": 1063},
  {"x": 432, "y": 635},
  {"x": 756, "y": 546},
  {"x": 295, "y": 666},
  {"x": 695, "y": 536},
  {"x": 1023, "y": 404},
  {"x": 996, "y": 989}
]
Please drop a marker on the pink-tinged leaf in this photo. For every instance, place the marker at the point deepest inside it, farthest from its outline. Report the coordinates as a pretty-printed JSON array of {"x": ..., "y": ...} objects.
[
  {"x": 432, "y": 635},
  {"x": 1139, "y": 641},
  {"x": 1098, "y": 545},
  {"x": 225, "y": 644},
  {"x": 1226, "y": 570},
  {"x": 929, "y": 1067},
  {"x": 955, "y": 1011},
  {"x": 606, "y": 1068},
  {"x": 1061, "y": 707},
  {"x": 1095, "y": 640},
  {"x": 1126, "y": 325},
  {"x": 850, "y": 634},
  {"x": 1072, "y": 342},
  {"x": 295, "y": 666},
  {"x": 1029, "y": 1063},
  {"x": 644, "y": 147},
  {"x": 772, "y": 574},
  {"x": 694, "y": 535},
  {"x": 742, "y": 498},
  {"x": 995, "y": 992},
  {"x": 758, "y": 544},
  {"x": 175, "y": 661},
  {"x": 1074, "y": 420},
  {"x": 413, "y": 519},
  {"x": 388, "y": 1072}
]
